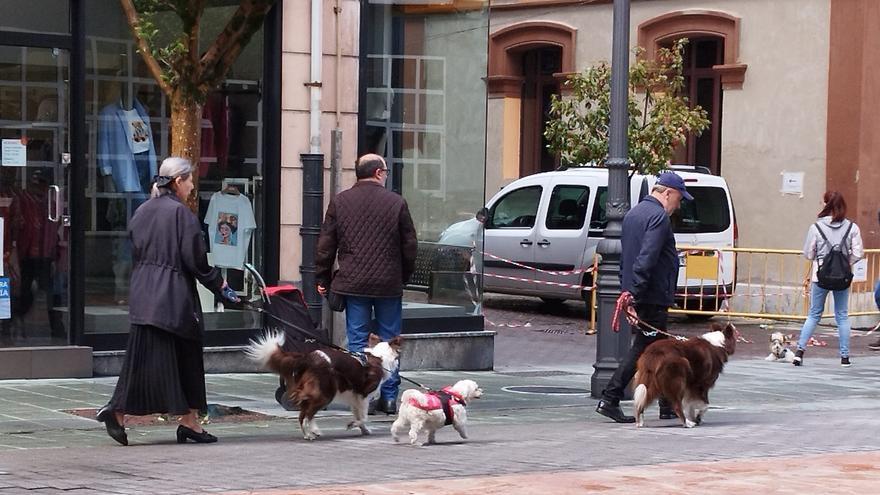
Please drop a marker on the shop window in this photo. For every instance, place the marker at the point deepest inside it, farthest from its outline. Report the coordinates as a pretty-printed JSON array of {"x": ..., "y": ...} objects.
[
  {"x": 35, "y": 16},
  {"x": 120, "y": 91},
  {"x": 422, "y": 106}
]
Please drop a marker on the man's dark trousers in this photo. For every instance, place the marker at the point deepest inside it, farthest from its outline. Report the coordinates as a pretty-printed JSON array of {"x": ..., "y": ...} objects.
[{"x": 654, "y": 315}]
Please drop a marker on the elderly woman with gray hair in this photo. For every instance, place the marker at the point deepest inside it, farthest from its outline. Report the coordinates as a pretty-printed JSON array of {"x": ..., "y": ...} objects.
[{"x": 164, "y": 370}]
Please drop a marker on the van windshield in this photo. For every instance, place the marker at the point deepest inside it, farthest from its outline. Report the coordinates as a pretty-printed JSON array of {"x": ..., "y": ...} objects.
[{"x": 707, "y": 213}]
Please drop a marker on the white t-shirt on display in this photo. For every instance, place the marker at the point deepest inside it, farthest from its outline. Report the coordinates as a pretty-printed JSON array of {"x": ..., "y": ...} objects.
[
  {"x": 230, "y": 220},
  {"x": 138, "y": 132}
]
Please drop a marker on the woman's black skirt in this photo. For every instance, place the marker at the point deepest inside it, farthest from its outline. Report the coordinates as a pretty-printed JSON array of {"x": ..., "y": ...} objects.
[{"x": 162, "y": 373}]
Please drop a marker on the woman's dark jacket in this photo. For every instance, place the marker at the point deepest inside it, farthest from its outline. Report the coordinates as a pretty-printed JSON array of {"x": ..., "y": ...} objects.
[
  {"x": 169, "y": 255},
  {"x": 372, "y": 232}
]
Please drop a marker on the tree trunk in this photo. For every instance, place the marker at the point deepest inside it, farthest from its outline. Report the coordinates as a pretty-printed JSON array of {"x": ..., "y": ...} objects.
[{"x": 186, "y": 138}]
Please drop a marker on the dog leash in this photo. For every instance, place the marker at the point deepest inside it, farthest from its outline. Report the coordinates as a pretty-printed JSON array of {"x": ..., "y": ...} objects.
[
  {"x": 360, "y": 356},
  {"x": 624, "y": 304},
  {"x": 310, "y": 337}
]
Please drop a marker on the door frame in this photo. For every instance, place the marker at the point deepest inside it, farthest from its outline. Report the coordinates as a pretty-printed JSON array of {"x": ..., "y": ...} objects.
[{"x": 74, "y": 44}]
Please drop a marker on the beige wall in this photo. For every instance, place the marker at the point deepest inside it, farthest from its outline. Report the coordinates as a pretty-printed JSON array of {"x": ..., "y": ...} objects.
[
  {"x": 776, "y": 122},
  {"x": 295, "y": 111}
]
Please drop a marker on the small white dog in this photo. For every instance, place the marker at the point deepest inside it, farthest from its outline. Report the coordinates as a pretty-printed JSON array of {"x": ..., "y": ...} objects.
[
  {"x": 426, "y": 412},
  {"x": 779, "y": 351}
]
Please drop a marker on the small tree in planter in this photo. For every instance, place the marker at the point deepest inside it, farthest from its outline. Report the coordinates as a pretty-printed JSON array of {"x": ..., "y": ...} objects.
[
  {"x": 659, "y": 117},
  {"x": 184, "y": 73}
]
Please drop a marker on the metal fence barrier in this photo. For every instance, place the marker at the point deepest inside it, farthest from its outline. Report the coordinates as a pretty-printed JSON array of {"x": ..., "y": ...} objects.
[{"x": 768, "y": 284}]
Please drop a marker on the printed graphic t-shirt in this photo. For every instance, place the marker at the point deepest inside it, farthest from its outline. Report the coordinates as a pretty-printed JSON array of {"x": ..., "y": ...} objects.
[
  {"x": 137, "y": 132},
  {"x": 230, "y": 220}
]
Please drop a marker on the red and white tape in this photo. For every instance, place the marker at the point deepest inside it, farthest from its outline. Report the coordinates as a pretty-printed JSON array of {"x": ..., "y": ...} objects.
[
  {"x": 548, "y": 272},
  {"x": 544, "y": 282},
  {"x": 507, "y": 325}
]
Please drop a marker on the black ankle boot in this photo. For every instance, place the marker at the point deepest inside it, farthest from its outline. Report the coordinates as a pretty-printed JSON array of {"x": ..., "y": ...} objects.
[
  {"x": 114, "y": 429},
  {"x": 184, "y": 433},
  {"x": 798, "y": 358},
  {"x": 388, "y": 406},
  {"x": 612, "y": 410}
]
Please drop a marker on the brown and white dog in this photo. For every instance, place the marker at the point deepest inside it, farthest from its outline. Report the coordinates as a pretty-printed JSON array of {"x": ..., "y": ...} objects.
[
  {"x": 779, "y": 350},
  {"x": 317, "y": 378},
  {"x": 426, "y": 412},
  {"x": 683, "y": 372}
]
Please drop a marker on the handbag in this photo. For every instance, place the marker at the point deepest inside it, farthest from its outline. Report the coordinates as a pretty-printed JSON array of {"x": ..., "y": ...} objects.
[{"x": 335, "y": 300}]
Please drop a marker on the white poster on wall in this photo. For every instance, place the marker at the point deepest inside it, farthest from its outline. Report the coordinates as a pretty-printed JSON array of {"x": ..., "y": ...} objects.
[
  {"x": 860, "y": 271},
  {"x": 13, "y": 153},
  {"x": 793, "y": 183}
]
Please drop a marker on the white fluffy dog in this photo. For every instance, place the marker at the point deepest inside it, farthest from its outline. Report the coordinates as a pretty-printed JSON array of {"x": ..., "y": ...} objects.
[
  {"x": 779, "y": 351},
  {"x": 424, "y": 412}
]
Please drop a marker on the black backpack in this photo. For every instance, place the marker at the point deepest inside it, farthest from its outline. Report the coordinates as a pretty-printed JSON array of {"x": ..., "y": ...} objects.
[{"x": 835, "y": 272}]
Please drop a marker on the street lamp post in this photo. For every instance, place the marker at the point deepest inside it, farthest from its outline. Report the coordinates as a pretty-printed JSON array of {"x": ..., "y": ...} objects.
[{"x": 612, "y": 347}]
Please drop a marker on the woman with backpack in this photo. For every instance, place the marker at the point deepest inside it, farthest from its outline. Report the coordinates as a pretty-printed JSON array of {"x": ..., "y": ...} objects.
[{"x": 834, "y": 244}]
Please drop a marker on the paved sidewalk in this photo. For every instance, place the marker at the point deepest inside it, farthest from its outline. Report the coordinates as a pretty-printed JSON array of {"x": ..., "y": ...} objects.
[
  {"x": 759, "y": 410},
  {"x": 828, "y": 474}
]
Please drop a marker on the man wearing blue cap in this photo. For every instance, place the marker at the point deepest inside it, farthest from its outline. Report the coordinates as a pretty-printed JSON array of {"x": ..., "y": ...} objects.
[{"x": 649, "y": 272}]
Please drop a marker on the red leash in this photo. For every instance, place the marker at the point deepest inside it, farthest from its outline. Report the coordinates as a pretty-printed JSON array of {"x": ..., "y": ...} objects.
[{"x": 624, "y": 303}]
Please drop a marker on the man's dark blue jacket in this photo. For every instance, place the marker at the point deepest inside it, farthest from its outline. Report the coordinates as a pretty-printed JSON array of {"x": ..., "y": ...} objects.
[{"x": 649, "y": 261}]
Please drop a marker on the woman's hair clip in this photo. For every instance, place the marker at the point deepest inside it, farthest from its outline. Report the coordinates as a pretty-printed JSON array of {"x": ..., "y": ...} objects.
[{"x": 162, "y": 180}]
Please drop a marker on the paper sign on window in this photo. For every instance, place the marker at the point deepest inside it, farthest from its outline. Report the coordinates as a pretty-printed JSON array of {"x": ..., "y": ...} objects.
[{"x": 14, "y": 153}]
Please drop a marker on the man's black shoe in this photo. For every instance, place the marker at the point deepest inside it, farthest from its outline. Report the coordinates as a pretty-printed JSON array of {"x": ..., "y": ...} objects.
[
  {"x": 613, "y": 411},
  {"x": 388, "y": 406},
  {"x": 667, "y": 414}
]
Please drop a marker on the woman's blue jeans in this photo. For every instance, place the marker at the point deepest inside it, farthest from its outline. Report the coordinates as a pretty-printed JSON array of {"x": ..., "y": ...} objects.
[{"x": 841, "y": 315}]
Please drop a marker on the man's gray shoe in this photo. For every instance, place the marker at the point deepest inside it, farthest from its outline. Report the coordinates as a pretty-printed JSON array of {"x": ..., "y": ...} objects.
[{"x": 614, "y": 412}]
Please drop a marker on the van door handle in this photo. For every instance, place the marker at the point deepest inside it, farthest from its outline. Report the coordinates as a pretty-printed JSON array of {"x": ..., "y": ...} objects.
[
  {"x": 543, "y": 243},
  {"x": 525, "y": 242}
]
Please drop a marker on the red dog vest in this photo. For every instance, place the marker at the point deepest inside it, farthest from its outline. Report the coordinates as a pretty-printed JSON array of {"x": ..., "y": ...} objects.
[{"x": 439, "y": 399}]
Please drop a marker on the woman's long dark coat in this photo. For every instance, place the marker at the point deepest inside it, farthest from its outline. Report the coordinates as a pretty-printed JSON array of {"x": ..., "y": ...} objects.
[{"x": 169, "y": 255}]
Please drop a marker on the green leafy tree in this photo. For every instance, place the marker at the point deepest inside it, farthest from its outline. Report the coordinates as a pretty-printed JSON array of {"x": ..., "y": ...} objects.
[
  {"x": 167, "y": 35},
  {"x": 659, "y": 116}
]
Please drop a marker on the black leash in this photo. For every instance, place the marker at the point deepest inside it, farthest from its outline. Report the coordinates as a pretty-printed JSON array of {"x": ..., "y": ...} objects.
[
  {"x": 314, "y": 338},
  {"x": 311, "y": 338}
]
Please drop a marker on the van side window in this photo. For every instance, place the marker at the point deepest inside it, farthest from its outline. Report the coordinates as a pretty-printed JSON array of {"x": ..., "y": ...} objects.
[
  {"x": 568, "y": 208},
  {"x": 707, "y": 213},
  {"x": 517, "y": 209},
  {"x": 597, "y": 219}
]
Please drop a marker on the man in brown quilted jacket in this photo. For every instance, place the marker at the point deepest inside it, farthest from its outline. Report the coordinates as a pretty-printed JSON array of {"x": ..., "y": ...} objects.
[{"x": 370, "y": 230}]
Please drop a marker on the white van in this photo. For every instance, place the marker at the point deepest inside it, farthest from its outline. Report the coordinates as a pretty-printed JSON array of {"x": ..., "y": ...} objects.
[{"x": 554, "y": 221}]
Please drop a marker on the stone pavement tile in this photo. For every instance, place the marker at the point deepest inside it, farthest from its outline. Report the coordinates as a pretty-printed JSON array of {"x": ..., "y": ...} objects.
[{"x": 826, "y": 473}]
